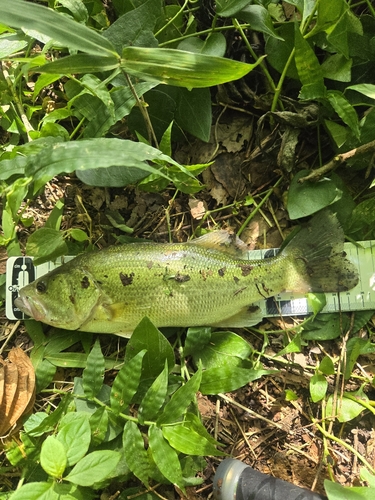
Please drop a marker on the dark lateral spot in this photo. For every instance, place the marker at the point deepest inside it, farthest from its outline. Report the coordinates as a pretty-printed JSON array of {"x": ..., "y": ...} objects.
[
  {"x": 126, "y": 279},
  {"x": 221, "y": 271},
  {"x": 85, "y": 283},
  {"x": 72, "y": 299},
  {"x": 236, "y": 280},
  {"x": 245, "y": 269},
  {"x": 105, "y": 276},
  {"x": 181, "y": 278}
]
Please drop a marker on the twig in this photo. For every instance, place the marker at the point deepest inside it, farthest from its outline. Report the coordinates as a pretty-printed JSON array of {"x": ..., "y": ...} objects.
[{"x": 339, "y": 159}]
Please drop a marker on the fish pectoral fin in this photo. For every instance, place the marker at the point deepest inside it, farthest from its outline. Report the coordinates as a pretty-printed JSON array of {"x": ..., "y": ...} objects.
[
  {"x": 248, "y": 316},
  {"x": 223, "y": 241}
]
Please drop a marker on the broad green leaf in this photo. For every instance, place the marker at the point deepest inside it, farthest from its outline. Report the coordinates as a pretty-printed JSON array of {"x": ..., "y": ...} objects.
[
  {"x": 55, "y": 217},
  {"x": 338, "y": 133},
  {"x": 16, "y": 194},
  {"x": 46, "y": 244},
  {"x": 35, "y": 491},
  {"x": 346, "y": 409},
  {"x": 228, "y": 8},
  {"x": 357, "y": 347},
  {"x": 79, "y": 63},
  {"x": 224, "y": 348},
  {"x": 337, "y": 67},
  {"x": 336, "y": 491},
  {"x": 62, "y": 29},
  {"x": 135, "y": 27},
  {"x": 35, "y": 426},
  {"x": 279, "y": 50},
  {"x": 328, "y": 15},
  {"x": 340, "y": 36},
  {"x": 318, "y": 387},
  {"x": 316, "y": 302},
  {"x": 308, "y": 67},
  {"x": 11, "y": 43},
  {"x": 75, "y": 434},
  {"x": 126, "y": 382},
  {"x": 196, "y": 339},
  {"x": 259, "y": 19},
  {"x": 181, "y": 399},
  {"x": 344, "y": 109},
  {"x": 93, "y": 374},
  {"x": 182, "y": 437},
  {"x": 310, "y": 197},
  {"x": 214, "y": 45},
  {"x": 77, "y": 8},
  {"x": 325, "y": 327},
  {"x": 53, "y": 457},
  {"x": 293, "y": 346},
  {"x": 228, "y": 378},
  {"x": 326, "y": 366},
  {"x": 155, "y": 396},
  {"x": 165, "y": 457},
  {"x": 135, "y": 454},
  {"x": 94, "y": 467},
  {"x": 147, "y": 337},
  {"x": 99, "y": 425},
  {"x": 180, "y": 68},
  {"x": 78, "y": 234},
  {"x": 367, "y": 89}
]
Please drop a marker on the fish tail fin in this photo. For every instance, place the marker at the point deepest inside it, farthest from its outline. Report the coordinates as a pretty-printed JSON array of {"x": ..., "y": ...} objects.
[{"x": 317, "y": 253}]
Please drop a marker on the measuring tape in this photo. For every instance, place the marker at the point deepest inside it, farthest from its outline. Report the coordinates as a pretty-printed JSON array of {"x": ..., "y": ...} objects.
[{"x": 21, "y": 271}]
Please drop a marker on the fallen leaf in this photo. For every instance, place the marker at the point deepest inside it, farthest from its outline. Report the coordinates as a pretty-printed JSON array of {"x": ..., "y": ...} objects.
[{"x": 17, "y": 389}]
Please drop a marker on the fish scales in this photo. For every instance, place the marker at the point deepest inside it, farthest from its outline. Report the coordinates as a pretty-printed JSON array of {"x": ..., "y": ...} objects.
[{"x": 205, "y": 282}]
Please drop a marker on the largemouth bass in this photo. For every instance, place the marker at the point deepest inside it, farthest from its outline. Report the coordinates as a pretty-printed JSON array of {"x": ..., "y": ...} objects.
[{"x": 204, "y": 282}]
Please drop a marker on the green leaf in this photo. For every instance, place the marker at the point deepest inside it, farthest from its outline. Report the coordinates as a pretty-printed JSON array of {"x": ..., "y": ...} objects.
[
  {"x": 345, "y": 110},
  {"x": 357, "y": 347},
  {"x": 196, "y": 339},
  {"x": 99, "y": 425},
  {"x": 155, "y": 396},
  {"x": 326, "y": 366},
  {"x": 214, "y": 45},
  {"x": 78, "y": 234},
  {"x": 316, "y": 302},
  {"x": 181, "y": 399},
  {"x": 336, "y": 491},
  {"x": 135, "y": 454},
  {"x": 55, "y": 217},
  {"x": 346, "y": 409},
  {"x": 318, "y": 387},
  {"x": 11, "y": 43},
  {"x": 259, "y": 19},
  {"x": 94, "y": 468},
  {"x": 79, "y": 63},
  {"x": 310, "y": 197},
  {"x": 223, "y": 348},
  {"x": 53, "y": 457},
  {"x": 338, "y": 132},
  {"x": 228, "y": 378},
  {"x": 325, "y": 327},
  {"x": 16, "y": 194},
  {"x": 182, "y": 437},
  {"x": 62, "y": 29},
  {"x": 46, "y": 244},
  {"x": 328, "y": 15},
  {"x": 75, "y": 434},
  {"x": 165, "y": 457},
  {"x": 147, "y": 337},
  {"x": 93, "y": 374},
  {"x": 337, "y": 67},
  {"x": 308, "y": 67},
  {"x": 35, "y": 491},
  {"x": 182, "y": 69},
  {"x": 126, "y": 382},
  {"x": 367, "y": 89},
  {"x": 228, "y": 8}
]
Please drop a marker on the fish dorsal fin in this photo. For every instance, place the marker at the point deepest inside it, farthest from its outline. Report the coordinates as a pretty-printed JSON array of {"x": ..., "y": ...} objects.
[{"x": 223, "y": 241}]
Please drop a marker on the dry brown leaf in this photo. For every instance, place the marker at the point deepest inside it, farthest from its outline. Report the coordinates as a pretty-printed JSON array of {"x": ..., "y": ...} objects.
[{"x": 17, "y": 389}]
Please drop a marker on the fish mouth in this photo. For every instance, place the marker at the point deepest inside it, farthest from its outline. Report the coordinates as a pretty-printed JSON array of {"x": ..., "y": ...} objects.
[{"x": 29, "y": 307}]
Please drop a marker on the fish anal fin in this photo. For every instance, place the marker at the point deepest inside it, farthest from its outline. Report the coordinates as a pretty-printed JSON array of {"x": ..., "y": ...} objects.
[
  {"x": 223, "y": 241},
  {"x": 247, "y": 316}
]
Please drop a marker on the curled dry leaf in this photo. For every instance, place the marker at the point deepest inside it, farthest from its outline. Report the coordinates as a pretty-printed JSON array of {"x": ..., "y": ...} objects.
[{"x": 17, "y": 389}]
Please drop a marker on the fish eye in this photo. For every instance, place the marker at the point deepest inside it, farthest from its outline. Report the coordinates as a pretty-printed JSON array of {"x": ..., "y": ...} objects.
[{"x": 41, "y": 287}]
